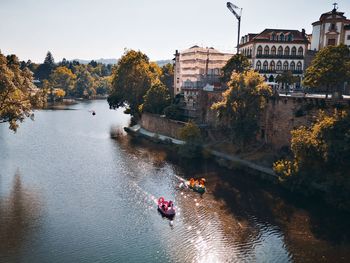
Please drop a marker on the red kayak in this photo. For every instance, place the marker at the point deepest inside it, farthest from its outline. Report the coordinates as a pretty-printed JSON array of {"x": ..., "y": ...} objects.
[{"x": 166, "y": 208}]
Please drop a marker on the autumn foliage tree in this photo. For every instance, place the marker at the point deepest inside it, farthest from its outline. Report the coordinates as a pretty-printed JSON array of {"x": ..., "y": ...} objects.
[
  {"x": 18, "y": 94},
  {"x": 156, "y": 99},
  {"x": 238, "y": 63},
  {"x": 242, "y": 103}
]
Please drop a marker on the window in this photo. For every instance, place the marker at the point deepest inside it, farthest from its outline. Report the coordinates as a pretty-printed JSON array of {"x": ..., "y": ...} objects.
[
  {"x": 285, "y": 65},
  {"x": 280, "y": 51},
  {"x": 331, "y": 42},
  {"x": 273, "y": 51},
  {"x": 300, "y": 51},
  {"x": 348, "y": 37},
  {"x": 333, "y": 27},
  {"x": 279, "y": 65},
  {"x": 258, "y": 65},
  {"x": 286, "y": 51},
  {"x": 290, "y": 37},
  {"x": 272, "y": 65},
  {"x": 292, "y": 66},
  {"x": 281, "y": 37},
  {"x": 294, "y": 51},
  {"x": 273, "y": 37},
  {"x": 265, "y": 65},
  {"x": 266, "y": 50},
  {"x": 299, "y": 66},
  {"x": 259, "y": 53}
]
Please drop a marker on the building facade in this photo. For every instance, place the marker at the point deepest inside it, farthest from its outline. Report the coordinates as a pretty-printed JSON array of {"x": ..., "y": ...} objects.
[
  {"x": 333, "y": 28},
  {"x": 197, "y": 66},
  {"x": 274, "y": 51}
]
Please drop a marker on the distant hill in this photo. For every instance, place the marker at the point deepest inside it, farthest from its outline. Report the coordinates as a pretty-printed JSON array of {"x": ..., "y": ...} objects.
[
  {"x": 101, "y": 60},
  {"x": 160, "y": 63}
]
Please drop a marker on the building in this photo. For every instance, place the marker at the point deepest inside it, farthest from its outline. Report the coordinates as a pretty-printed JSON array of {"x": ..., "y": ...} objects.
[
  {"x": 196, "y": 67},
  {"x": 333, "y": 28},
  {"x": 274, "y": 51}
]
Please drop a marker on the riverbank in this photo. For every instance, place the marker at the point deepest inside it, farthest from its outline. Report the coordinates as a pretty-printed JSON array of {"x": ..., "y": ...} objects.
[{"x": 222, "y": 158}]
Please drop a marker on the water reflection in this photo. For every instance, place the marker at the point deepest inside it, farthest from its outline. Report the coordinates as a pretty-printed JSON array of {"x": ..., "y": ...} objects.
[{"x": 19, "y": 217}]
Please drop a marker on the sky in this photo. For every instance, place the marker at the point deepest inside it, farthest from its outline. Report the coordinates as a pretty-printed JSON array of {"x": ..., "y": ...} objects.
[{"x": 93, "y": 29}]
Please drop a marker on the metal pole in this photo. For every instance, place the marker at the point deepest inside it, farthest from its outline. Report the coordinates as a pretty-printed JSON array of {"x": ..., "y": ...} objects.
[{"x": 239, "y": 31}]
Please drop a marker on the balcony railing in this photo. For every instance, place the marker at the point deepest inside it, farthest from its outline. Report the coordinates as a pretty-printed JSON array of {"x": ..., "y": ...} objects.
[
  {"x": 270, "y": 71},
  {"x": 280, "y": 56}
]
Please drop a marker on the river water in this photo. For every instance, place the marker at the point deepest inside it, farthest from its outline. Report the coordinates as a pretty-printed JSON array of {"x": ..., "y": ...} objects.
[{"x": 70, "y": 193}]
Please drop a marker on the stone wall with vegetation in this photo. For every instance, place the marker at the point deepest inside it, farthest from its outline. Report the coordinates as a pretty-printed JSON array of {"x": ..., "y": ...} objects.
[
  {"x": 284, "y": 114},
  {"x": 161, "y": 125}
]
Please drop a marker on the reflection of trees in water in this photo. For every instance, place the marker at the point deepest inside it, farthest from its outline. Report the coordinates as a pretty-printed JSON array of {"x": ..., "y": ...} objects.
[{"x": 19, "y": 214}]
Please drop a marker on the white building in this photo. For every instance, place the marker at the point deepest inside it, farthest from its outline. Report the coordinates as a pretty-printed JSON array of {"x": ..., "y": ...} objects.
[
  {"x": 197, "y": 66},
  {"x": 333, "y": 28},
  {"x": 274, "y": 51}
]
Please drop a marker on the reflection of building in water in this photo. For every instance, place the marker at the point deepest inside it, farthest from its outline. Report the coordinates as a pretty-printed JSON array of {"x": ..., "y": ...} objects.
[{"x": 19, "y": 214}]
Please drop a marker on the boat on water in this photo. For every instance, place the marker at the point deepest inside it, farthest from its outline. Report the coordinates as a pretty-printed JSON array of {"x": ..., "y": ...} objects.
[
  {"x": 166, "y": 208},
  {"x": 197, "y": 185}
]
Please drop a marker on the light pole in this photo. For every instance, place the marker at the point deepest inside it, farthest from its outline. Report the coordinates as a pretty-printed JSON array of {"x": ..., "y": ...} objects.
[{"x": 232, "y": 8}]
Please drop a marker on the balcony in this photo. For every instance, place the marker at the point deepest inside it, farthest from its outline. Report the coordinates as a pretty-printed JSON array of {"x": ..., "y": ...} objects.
[
  {"x": 280, "y": 56},
  {"x": 270, "y": 71}
]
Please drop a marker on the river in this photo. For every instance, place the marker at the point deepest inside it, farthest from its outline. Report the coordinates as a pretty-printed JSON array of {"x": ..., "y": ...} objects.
[{"x": 70, "y": 193}]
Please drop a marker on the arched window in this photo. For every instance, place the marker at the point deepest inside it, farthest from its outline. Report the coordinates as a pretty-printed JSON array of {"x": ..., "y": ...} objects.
[
  {"x": 294, "y": 51},
  {"x": 259, "y": 52},
  {"x": 271, "y": 78},
  {"x": 265, "y": 65},
  {"x": 286, "y": 51},
  {"x": 273, "y": 37},
  {"x": 273, "y": 51},
  {"x": 300, "y": 51},
  {"x": 272, "y": 65},
  {"x": 299, "y": 66},
  {"x": 258, "y": 65},
  {"x": 292, "y": 66},
  {"x": 285, "y": 65},
  {"x": 281, "y": 37},
  {"x": 280, "y": 51},
  {"x": 290, "y": 37},
  {"x": 279, "y": 65},
  {"x": 266, "y": 50},
  {"x": 250, "y": 51}
]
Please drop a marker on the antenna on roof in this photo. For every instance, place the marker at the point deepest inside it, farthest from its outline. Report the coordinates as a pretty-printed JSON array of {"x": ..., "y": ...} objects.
[{"x": 335, "y": 6}]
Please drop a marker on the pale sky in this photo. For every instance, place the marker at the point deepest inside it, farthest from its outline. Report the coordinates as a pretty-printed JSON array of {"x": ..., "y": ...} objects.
[{"x": 93, "y": 29}]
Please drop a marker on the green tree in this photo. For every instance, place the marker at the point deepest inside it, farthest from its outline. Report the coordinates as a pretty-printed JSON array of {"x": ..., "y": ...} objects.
[
  {"x": 44, "y": 70},
  {"x": 167, "y": 77},
  {"x": 156, "y": 99},
  {"x": 103, "y": 85},
  {"x": 191, "y": 134},
  {"x": 286, "y": 79},
  {"x": 321, "y": 158},
  {"x": 241, "y": 105},
  {"x": 132, "y": 78},
  {"x": 238, "y": 63},
  {"x": 84, "y": 86},
  {"x": 63, "y": 78},
  {"x": 18, "y": 94},
  {"x": 173, "y": 112},
  {"x": 329, "y": 69}
]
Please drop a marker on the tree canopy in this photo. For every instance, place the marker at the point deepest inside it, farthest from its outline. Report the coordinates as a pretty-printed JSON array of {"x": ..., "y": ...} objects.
[
  {"x": 156, "y": 99},
  {"x": 238, "y": 63},
  {"x": 329, "y": 69},
  {"x": 321, "y": 157},
  {"x": 132, "y": 77},
  {"x": 241, "y": 105},
  {"x": 18, "y": 94}
]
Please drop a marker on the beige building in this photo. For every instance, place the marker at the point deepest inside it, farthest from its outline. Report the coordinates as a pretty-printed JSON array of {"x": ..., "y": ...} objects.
[
  {"x": 197, "y": 66},
  {"x": 333, "y": 28}
]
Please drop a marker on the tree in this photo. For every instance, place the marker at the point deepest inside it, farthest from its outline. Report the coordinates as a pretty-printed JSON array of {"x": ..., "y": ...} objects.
[
  {"x": 329, "y": 69},
  {"x": 59, "y": 94},
  {"x": 44, "y": 70},
  {"x": 238, "y": 63},
  {"x": 321, "y": 158},
  {"x": 18, "y": 94},
  {"x": 191, "y": 134},
  {"x": 156, "y": 99},
  {"x": 63, "y": 78},
  {"x": 286, "y": 79},
  {"x": 167, "y": 77},
  {"x": 241, "y": 105},
  {"x": 103, "y": 85},
  {"x": 132, "y": 78},
  {"x": 173, "y": 112},
  {"x": 84, "y": 86}
]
